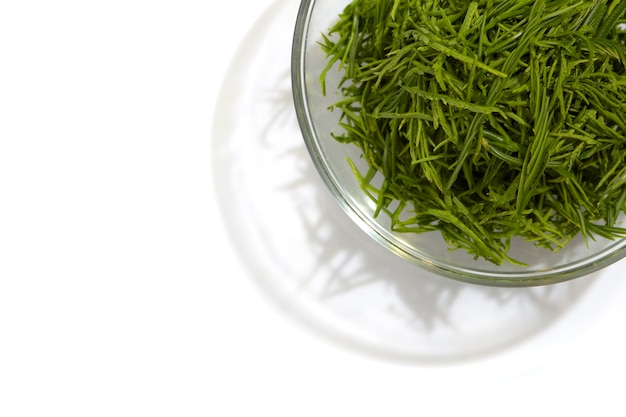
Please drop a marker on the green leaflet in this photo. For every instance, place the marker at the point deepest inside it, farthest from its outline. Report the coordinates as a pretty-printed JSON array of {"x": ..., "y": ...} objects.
[{"x": 488, "y": 119}]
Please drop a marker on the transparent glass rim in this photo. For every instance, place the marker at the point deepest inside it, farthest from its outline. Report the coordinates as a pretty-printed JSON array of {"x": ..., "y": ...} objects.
[{"x": 576, "y": 269}]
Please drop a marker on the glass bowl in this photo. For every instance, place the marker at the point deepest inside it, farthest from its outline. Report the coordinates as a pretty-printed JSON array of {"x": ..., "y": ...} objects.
[{"x": 426, "y": 250}]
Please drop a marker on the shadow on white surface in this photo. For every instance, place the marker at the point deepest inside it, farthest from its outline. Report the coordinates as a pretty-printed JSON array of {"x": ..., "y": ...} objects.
[{"x": 313, "y": 263}]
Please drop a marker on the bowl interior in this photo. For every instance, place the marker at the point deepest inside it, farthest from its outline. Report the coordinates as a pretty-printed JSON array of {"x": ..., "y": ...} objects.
[{"x": 428, "y": 250}]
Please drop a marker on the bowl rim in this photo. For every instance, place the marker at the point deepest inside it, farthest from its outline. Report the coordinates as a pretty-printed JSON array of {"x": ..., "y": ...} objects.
[{"x": 568, "y": 271}]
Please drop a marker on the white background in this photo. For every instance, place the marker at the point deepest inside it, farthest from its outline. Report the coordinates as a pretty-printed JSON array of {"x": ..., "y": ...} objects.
[{"x": 122, "y": 292}]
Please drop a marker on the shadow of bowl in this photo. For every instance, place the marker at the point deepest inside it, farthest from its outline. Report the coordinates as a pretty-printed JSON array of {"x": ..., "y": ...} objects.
[{"x": 308, "y": 257}]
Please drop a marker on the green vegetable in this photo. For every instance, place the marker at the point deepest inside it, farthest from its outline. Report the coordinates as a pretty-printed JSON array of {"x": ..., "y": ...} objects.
[{"x": 487, "y": 119}]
